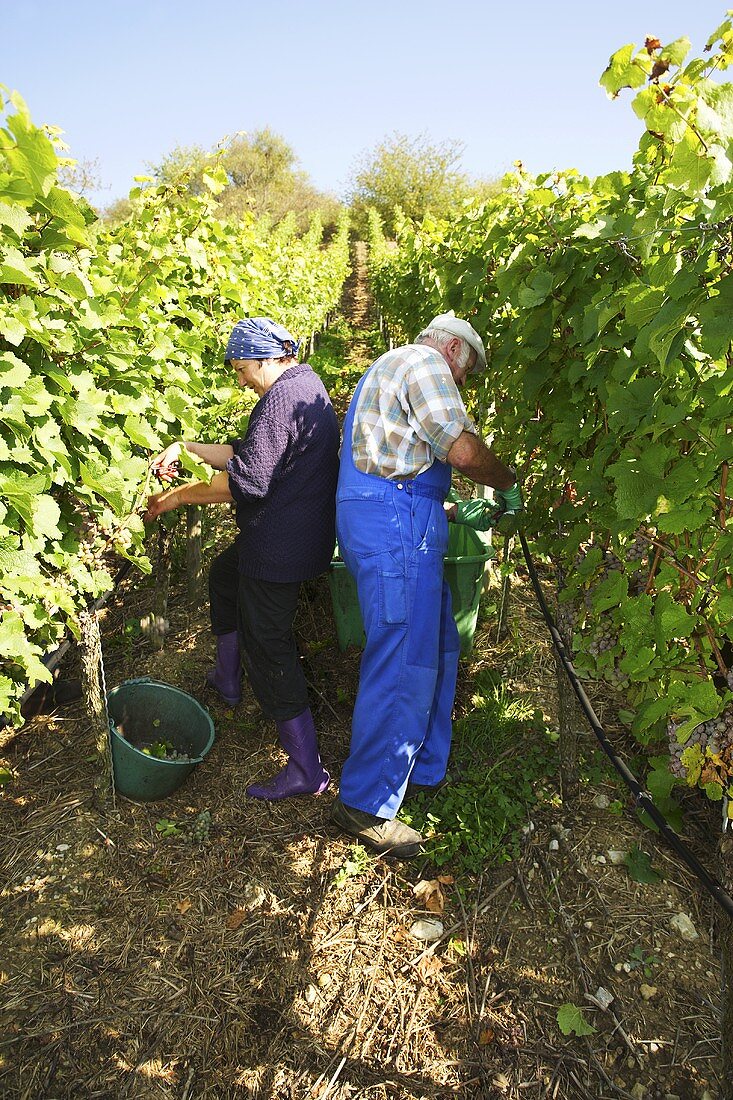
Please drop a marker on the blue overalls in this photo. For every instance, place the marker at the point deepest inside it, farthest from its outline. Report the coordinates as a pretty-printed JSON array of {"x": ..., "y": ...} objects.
[{"x": 393, "y": 535}]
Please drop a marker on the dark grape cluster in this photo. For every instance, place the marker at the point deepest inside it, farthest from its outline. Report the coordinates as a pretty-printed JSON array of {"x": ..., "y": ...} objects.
[
  {"x": 713, "y": 737},
  {"x": 697, "y": 737},
  {"x": 199, "y": 827},
  {"x": 616, "y": 676},
  {"x": 637, "y": 553},
  {"x": 605, "y": 638}
]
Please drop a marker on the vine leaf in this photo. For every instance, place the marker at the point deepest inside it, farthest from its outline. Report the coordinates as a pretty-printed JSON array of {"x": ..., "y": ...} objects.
[
  {"x": 639, "y": 866},
  {"x": 571, "y": 1021}
]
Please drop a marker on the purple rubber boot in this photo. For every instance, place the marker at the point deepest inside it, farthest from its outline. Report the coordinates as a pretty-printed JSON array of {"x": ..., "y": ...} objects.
[
  {"x": 226, "y": 675},
  {"x": 304, "y": 773}
]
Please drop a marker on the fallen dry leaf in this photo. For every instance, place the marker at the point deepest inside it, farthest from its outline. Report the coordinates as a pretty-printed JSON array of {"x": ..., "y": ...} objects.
[
  {"x": 429, "y": 967},
  {"x": 431, "y": 894},
  {"x": 486, "y": 1036},
  {"x": 184, "y": 906},
  {"x": 236, "y": 919}
]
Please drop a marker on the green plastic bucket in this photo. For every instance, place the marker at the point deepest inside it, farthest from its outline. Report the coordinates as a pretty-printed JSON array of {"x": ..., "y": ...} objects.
[
  {"x": 465, "y": 566},
  {"x": 148, "y": 711}
]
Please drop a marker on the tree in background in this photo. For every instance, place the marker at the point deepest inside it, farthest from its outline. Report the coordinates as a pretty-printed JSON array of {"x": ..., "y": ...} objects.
[
  {"x": 264, "y": 178},
  {"x": 414, "y": 175}
]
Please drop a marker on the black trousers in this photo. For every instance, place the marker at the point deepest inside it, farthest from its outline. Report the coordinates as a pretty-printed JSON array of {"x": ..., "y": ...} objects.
[{"x": 262, "y": 612}]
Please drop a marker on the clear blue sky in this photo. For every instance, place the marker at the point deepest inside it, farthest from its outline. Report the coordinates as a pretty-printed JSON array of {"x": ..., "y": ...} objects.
[{"x": 128, "y": 81}]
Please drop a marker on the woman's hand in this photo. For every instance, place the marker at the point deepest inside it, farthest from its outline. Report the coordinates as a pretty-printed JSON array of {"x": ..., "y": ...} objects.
[
  {"x": 158, "y": 503},
  {"x": 166, "y": 465}
]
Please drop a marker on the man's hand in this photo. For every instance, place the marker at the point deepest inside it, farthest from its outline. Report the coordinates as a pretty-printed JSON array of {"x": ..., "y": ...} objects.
[
  {"x": 166, "y": 465},
  {"x": 509, "y": 500},
  {"x": 509, "y": 519}
]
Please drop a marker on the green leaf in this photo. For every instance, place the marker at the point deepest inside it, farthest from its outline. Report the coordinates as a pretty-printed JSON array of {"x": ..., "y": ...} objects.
[
  {"x": 639, "y": 866},
  {"x": 15, "y": 217},
  {"x": 713, "y": 791},
  {"x": 46, "y": 516},
  {"x": 536, "y": 289},
  {"x": 14, "y": 373},
  {"x": 571, "y": 1021},
  {"x": 610, "y": 592},
  {"x": 660, "y": 781},
  {"x": 105, "y": 483},
  {"x": 197, "y": 253},
  {"x": 676, "y": 51},
  {"x": 140, "y": 432},
  {"x": 16, "y": 270},
  {"x": 625, "y": 70},
  {"x": 671, "y": 620},
  {"x": 690, "y": 167},
  {"x": 642, "y": 305}
]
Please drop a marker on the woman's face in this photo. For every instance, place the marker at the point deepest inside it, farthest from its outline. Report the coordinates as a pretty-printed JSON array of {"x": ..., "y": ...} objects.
[{"x": 249, "y": 373}]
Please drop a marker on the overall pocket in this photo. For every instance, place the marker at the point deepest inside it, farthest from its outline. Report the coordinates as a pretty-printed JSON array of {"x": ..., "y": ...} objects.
[
  {"x": 366, "y": 523},
  {"x": 429, "y": 525}
]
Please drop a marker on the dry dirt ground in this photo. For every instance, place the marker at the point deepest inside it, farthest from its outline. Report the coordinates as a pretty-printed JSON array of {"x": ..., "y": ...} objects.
[
  {"x": 271, "y": 961},
  {"x": 276, "y": 960}
]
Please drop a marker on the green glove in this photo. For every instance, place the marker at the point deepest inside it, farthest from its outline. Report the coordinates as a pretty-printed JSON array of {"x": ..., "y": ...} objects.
[
  {"x": 478, "y": 514},
  {"x": 509, "y": 500}
]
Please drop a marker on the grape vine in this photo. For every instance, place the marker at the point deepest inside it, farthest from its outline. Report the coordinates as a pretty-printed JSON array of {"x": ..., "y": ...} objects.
[
  {"x": 605, "y": 306},
  {"x": 110, "y": 344}
]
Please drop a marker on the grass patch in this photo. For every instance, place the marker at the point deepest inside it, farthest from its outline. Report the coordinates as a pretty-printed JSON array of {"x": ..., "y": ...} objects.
[{"x": 502, "y": 754}]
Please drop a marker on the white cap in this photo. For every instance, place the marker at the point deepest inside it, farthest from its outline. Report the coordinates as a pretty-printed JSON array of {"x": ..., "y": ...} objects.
[{"x": 448, "y": 322}]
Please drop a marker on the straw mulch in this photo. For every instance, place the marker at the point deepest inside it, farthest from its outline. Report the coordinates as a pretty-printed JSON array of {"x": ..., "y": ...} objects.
[{"x": 275, "y": 961}]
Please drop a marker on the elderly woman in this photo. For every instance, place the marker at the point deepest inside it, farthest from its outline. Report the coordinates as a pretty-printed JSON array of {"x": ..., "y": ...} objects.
[{"x": 282, "y": 478}]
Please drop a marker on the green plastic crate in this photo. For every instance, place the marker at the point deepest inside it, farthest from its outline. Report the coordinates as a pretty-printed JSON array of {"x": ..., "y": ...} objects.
[{"x": 466, "y": 561}]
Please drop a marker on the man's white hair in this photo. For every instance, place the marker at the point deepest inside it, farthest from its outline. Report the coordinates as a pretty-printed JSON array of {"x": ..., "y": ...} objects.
[{"x": 441, "y": 337}]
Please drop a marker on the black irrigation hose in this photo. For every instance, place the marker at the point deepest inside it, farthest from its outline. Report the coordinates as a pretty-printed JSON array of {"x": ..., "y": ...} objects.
[{"x": 642, "y": 798}]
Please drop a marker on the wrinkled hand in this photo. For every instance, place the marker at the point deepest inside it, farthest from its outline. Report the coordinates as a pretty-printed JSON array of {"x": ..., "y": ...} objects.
[
  {"x": 166, "y": 465},
  {"x": 158, "y": 503}
]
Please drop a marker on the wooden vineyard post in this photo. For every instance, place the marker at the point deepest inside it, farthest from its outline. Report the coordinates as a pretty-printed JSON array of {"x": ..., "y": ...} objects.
[
  {"x": 726, "y": 952},
  {"x": 505, "y": 598},
  {"x": 159, "y": 619},
  {"x": 95, "y": 699},
  {"x": 194, "y": 528}
]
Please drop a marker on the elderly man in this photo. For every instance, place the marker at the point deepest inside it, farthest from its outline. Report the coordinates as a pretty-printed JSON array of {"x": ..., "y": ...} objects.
[
  {"x": 282, "y": 478},
  {"x": 405, "y": 430}
]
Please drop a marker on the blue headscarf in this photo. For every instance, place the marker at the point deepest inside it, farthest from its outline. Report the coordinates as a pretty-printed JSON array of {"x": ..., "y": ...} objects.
[{"x": 260, "y": 338}]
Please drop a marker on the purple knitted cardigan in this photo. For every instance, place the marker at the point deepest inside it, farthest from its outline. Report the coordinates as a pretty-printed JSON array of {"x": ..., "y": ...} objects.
[{"x": 283, "y": 479}]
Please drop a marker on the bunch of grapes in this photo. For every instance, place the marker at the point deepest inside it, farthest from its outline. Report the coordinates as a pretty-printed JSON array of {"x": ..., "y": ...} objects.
[
  {"x": 602, "y": 641},
  {"x": 697, "y": 737},
  {"x": 616, "y": 676},
  {"x": 611, "y": 564},
  {"x": 566, "y": 619},
  {"x": 199, "y": 827},
  {"x": 715, "y": 738},
  {"x": 637, "y": 553}
]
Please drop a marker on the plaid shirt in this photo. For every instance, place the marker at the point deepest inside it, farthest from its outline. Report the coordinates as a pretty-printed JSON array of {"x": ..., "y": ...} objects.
[{"x": 409, "y": 413}]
